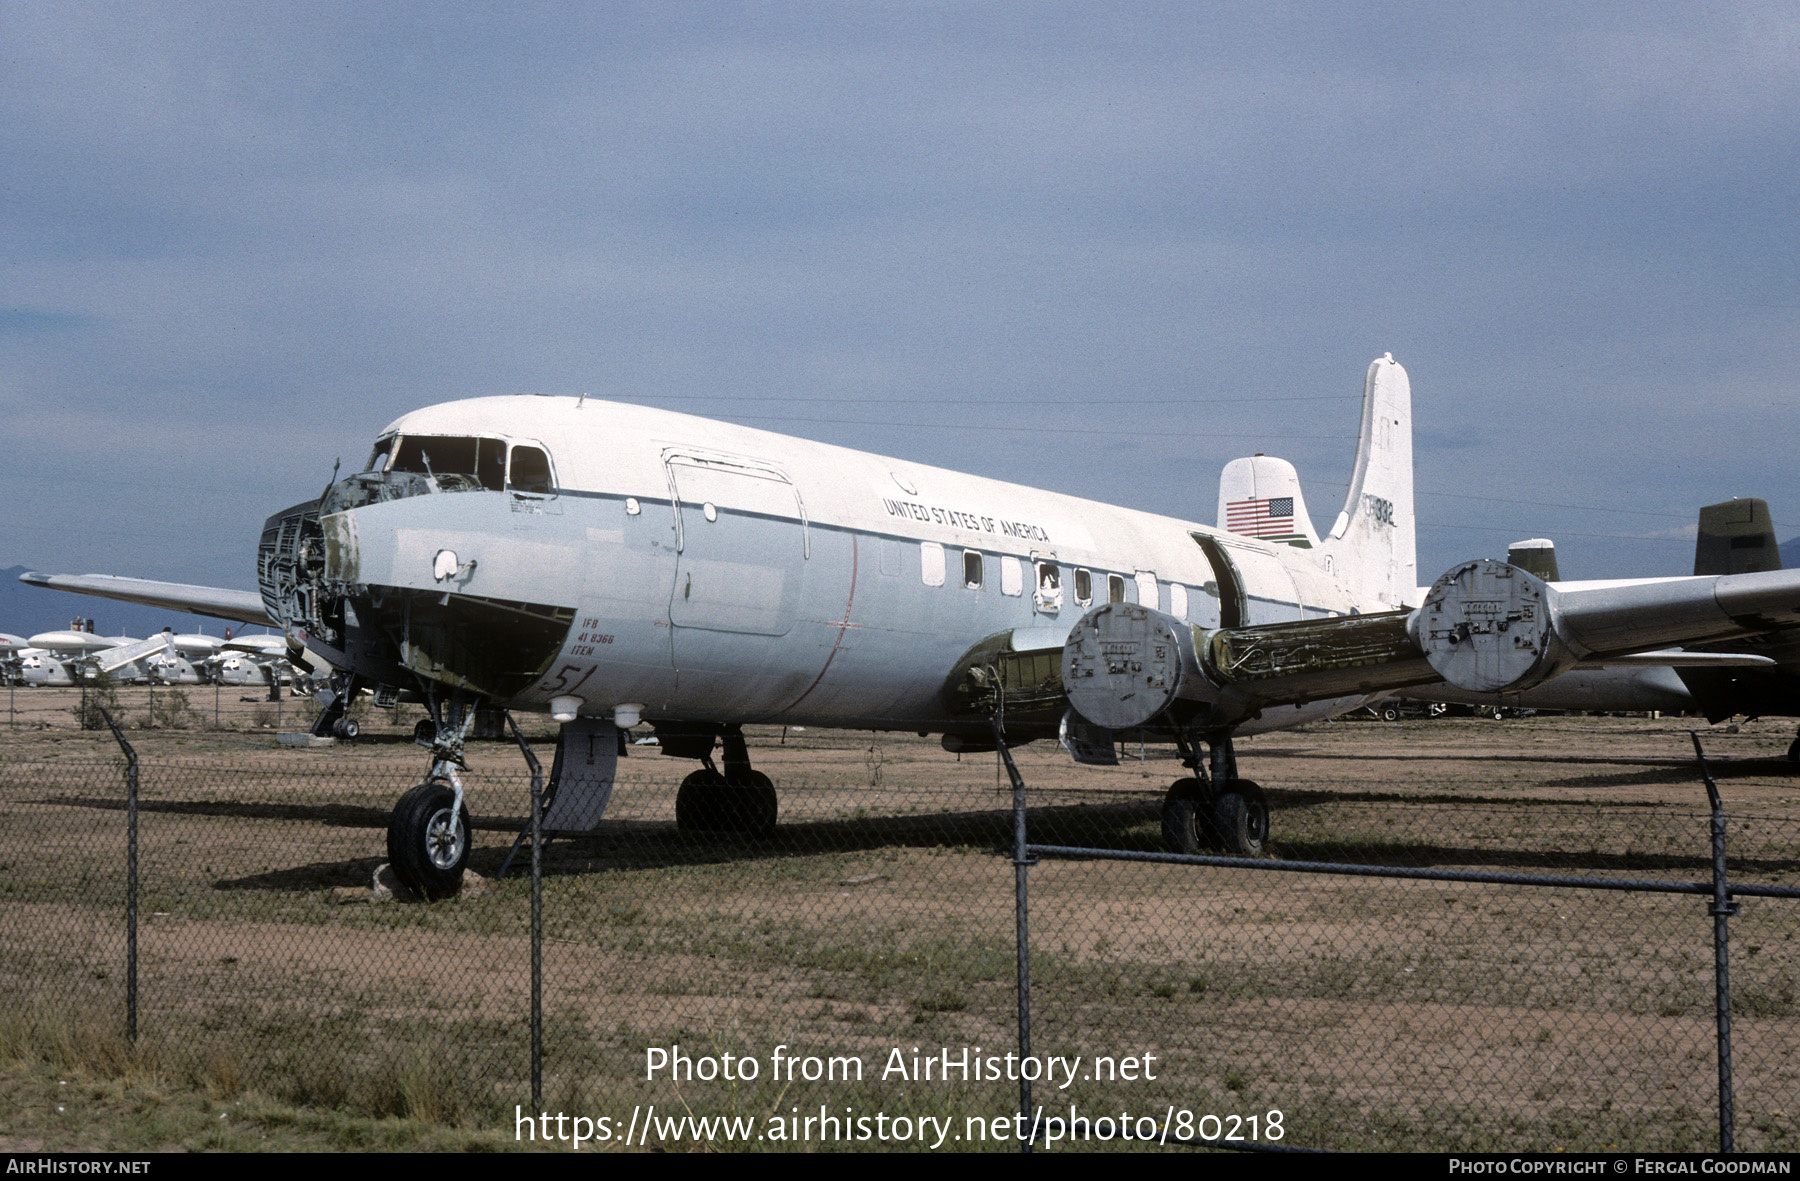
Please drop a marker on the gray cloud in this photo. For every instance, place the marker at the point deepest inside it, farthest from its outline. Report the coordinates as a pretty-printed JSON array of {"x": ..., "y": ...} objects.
[{"x": 239, "y": 239}]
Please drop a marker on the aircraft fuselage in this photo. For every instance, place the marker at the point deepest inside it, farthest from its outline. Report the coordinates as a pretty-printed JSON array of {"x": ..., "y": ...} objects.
[{"x": 698, "y": 569}]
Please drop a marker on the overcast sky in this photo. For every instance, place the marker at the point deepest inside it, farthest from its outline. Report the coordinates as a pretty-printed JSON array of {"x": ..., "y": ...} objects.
[{"x": 1103, "y": 249}]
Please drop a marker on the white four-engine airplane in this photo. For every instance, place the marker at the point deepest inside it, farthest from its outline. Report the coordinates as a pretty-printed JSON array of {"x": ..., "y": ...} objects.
[{"x": 614, "y": 564}]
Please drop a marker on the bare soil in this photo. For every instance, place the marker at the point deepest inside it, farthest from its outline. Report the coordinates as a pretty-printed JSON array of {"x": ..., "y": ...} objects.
[{"x": 1374, "y": 1013}]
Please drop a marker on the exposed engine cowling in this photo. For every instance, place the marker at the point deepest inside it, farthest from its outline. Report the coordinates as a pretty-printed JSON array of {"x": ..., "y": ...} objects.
[
  {"x": 1488, "y": 627},
  {"x": 1124, "y": 665},
  {"x": 290, "y": 569},
  {"x": 1485, "y": 626},
  {"x": 1136, "y": 667}
]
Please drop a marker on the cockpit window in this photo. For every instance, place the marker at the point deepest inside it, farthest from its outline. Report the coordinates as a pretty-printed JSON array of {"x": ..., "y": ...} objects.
[
  {"x": 530, "y": 471},
  {"x": 483, "y": 460},
  {"x": 378, "y": 458}
]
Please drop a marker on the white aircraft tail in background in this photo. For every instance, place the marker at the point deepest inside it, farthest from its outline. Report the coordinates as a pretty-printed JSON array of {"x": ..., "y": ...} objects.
[{"x": 1259, "y": 496}]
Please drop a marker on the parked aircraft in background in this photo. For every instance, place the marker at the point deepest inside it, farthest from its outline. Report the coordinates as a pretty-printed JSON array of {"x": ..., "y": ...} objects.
[
  {"x": 10, "y": 647},
  {"x": 185, "y": 661},
  {"x": 616, "y": 564}
]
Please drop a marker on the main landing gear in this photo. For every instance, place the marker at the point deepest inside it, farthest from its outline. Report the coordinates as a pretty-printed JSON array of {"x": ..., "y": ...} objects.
[
  {"x": 737, "y": 799},
  {"x": 1215, "y": 810}
]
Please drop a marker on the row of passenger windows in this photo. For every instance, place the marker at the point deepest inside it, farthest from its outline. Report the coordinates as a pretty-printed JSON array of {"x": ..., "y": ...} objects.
[{"x": 1048, "y": 579}]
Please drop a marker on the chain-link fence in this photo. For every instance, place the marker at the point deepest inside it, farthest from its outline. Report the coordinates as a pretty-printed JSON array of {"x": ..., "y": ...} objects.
[{"x": 850, "y": 981}]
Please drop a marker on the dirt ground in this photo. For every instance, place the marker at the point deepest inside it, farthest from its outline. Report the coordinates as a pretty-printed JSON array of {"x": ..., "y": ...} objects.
[{"x": 1373, "y": 1013}]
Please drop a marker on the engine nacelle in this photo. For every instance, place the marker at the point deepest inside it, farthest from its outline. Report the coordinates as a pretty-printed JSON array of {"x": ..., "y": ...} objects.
[
  {"x": 1124, "y": 665},
  {"x": 1491, "y": 628}
]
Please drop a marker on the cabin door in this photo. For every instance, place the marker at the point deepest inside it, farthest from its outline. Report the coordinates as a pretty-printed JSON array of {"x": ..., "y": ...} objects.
[{"x": 741, "y": 552}]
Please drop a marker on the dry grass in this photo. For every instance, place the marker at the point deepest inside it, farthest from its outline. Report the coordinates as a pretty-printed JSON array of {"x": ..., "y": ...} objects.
[{"x": 1375, "y": 1014}]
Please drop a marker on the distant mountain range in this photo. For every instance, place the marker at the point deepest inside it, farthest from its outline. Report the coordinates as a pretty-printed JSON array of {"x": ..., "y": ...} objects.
[{"x": 27, "y": 610}]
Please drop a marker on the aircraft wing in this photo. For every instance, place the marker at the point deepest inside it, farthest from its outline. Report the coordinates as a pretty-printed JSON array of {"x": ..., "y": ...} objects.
[
  {"x": 1485, "y": 626},
  {"x": 218, "y": 602},
  {"x": 1490, "y": 627},
  {"x": 1681, "y": 658}
]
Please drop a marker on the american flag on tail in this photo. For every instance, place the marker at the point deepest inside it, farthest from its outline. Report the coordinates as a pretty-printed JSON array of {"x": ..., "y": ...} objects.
[{"x": 1271, "y": 519}]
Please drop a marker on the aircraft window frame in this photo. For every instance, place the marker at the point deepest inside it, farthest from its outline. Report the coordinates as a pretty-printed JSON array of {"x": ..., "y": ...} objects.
[
  {"x": 381, "y": 454},
  {"x": 1178, "y": 600},
  {"x": 1115, "y": 588},
  {"x": 974, "y": 570},
  {"x": 480, "y": 447},
  {"x": 1147, "y": 589},
  {"x": 889, "y": 560},
  {"x": 1012, "y": 576},
  {"x": 1084, "y": 587},
  {"x": 549, "y": 475},
  {"x": 1047, "y": 593},
  {"x": 931, "y": 563}
]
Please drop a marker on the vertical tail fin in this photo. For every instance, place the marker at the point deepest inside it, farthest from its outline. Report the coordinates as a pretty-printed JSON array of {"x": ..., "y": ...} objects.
[
  {"x": 1372, "y": 549},
  {"x": 1736, "y": 537}
]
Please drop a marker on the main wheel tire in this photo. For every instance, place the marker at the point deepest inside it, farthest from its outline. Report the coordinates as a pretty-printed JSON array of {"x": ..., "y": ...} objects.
[
  {"x": 1184, "y": 813},
  {"x": 750, "y": 807},
  {"x": 1390, "y": 713},
  {"x": 347, "y": 729},
  {"x": 698, "y": 802},
  {"x": 1240, "y": 819},
  {"x": 427, "y": 845},
  {"x": 707, "y": 802}
]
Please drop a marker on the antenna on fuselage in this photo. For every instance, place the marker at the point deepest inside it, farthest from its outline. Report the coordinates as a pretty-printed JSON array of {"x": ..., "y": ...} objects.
[{"x": 580, "y": 400}]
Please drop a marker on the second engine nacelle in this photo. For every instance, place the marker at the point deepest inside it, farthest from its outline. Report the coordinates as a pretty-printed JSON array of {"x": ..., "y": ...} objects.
[{"x": 1488, "y": 627}]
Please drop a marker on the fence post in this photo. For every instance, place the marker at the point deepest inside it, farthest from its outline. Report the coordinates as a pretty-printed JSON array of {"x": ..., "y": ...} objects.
[
  {"x": 131, "y": 877},
  {"x": 1021, "y": 913},
  {"x": 537, "y": 916},
  {"x": 1722, "y": 909}
]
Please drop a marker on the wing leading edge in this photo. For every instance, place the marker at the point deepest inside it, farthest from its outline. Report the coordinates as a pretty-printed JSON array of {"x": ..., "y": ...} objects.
[{"x": 217, "y": 602}]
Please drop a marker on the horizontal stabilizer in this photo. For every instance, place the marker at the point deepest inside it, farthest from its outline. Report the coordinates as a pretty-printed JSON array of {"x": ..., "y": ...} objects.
[{"x": 243, "y": 606}]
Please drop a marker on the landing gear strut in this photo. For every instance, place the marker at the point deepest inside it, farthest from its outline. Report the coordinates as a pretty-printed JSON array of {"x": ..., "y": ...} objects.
[
  {"x": 1215, "y": 810},
  {"x": 332, "y": 721},
  {"x": 739, "y": 799},
  {"x": 428, "y": 832}
]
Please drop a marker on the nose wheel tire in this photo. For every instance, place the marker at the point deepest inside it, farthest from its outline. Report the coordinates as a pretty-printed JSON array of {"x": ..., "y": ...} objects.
[{"x": 428, "y": 845}]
